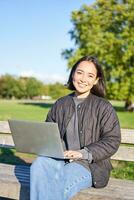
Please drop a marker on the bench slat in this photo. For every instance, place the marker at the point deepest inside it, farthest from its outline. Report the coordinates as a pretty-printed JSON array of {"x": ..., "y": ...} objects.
[
  {"x": 4, "y": 127},
  {"x": 14, "y": 180},
  {"x": 117, "y": 189},
  {"x": 124, "y": 153},
  {"x": 127, "y": 134}
]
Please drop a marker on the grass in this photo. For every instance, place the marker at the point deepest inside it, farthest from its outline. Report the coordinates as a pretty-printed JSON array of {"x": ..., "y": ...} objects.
[
  {"x": 37, "y": 111},
  {"x": 123, "y": 170},
  {"x": 126, "y": 118},
  {"x": 10, "y": 156}
]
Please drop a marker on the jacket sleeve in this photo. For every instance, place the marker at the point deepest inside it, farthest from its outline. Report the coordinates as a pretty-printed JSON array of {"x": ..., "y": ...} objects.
[
  {"x": 51, "y": 116},
  {"x": 110, "y": 136}
]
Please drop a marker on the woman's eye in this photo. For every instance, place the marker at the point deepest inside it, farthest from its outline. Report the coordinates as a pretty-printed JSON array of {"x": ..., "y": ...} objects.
[
  {"x": 79, "y": 72},
  {"x": 90, "y": 76}
]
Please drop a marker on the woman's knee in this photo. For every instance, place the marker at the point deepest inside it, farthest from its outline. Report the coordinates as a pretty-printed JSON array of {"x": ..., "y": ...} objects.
[
  {"x": 77, "y": 174},
  {"x": 38, "y": 163}
]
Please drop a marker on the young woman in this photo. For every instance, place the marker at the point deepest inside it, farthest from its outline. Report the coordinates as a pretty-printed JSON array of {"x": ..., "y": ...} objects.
[{"x": 90, "y": 133}]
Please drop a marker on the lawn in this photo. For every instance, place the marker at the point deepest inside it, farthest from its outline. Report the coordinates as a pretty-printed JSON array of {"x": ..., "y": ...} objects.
[
  {"x": 126, "y": 118},
  {"x": 37, "y": 111}
]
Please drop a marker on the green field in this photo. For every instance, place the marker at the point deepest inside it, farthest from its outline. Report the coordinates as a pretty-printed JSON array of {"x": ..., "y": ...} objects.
[
  {"x": 37, "y": 111},
  {"x": 126, "y": 118}
]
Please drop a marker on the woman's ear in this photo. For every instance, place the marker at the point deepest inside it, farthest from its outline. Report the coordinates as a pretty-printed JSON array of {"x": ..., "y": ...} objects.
[
  {"x": 96, "y": 81},
  {"x": 72, "y": 76}
]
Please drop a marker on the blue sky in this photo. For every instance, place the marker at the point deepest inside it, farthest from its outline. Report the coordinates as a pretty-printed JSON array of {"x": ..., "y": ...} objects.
[{"x": 33, "y": 34}]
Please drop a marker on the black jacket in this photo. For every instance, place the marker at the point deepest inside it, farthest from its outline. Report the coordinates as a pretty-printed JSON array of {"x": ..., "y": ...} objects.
[{"x": 99, "y": 131}]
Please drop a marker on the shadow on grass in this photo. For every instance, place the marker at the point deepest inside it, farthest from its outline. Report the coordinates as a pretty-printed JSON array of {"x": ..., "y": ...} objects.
[
  {"x": 7, "y": 156},
  {"x": 119, "y": 108},
  {"x": 49, "y": 105},
  {"x": 40, "y": 104}
]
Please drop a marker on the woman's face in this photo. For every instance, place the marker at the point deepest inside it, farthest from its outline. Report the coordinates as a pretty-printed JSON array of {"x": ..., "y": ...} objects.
[{"x": 84, "y": 78}]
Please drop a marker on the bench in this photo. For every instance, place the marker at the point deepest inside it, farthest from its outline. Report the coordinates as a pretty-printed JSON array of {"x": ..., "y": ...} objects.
[{"x": 14, "y": 179}]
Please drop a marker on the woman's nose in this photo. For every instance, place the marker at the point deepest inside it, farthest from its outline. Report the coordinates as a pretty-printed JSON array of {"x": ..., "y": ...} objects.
[{"x": 83, "y": 78}]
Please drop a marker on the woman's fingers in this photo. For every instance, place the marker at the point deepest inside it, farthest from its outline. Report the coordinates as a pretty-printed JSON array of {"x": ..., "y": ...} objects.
[{"x": 72, "y": 154}]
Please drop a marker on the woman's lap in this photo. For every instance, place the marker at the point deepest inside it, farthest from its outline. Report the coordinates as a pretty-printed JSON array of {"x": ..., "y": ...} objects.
[
  {"x": 68, "y": 178},
  {"x": 76, "y": 177}
]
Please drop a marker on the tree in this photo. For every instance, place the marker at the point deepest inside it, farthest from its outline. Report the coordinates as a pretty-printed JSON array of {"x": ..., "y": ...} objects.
[
  {"x": 8, "y": 86},
  {"x": 33, "y": 87},
  {"x": 22, "y": 87},
  {"x": 57, "y": 90},
  {"x": 106, "y": 30}
]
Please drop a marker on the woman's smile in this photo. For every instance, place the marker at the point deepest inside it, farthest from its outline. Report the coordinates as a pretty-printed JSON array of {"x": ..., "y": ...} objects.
[{"x": 84, "y": 78}]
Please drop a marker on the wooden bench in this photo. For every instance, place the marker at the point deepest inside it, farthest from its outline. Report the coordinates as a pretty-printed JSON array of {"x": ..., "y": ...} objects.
[{"x": 14, "y": 179}]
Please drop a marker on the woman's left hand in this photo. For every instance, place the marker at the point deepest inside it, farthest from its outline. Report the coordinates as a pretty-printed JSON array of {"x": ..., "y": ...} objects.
[{"x": 72, "y": 154}]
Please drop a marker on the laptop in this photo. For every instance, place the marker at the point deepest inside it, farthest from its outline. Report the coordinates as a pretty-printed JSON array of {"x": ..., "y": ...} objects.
[{"x": 40, "y": 138}]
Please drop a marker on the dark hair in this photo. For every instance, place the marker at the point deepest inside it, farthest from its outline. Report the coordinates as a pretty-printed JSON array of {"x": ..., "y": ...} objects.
[{"x": 99, "y": 89}]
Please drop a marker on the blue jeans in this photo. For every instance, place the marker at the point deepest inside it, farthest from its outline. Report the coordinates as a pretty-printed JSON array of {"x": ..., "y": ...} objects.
[{"x": 52, "y": 179}]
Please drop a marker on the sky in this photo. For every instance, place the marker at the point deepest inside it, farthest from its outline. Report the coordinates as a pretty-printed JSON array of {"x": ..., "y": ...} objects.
[{"x": 33, "y": 34}]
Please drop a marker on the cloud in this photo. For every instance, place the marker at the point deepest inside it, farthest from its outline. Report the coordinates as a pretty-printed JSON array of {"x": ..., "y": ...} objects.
[{"x": 46, "y": 78}]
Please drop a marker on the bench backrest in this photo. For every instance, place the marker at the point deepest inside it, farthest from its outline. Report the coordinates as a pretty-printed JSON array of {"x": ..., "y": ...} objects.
[{"x": 125, "y": 151}]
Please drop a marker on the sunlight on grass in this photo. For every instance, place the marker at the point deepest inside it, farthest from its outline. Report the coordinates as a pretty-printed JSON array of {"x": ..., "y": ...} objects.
[
  {"x": 123, "y": 170},
  {"x": 37, "y": 111},
  {"x": 27, "y": 111}
]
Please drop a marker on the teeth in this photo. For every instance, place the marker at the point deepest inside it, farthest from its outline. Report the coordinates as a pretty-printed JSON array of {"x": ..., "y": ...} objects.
[{"x": 82, "y": 85}]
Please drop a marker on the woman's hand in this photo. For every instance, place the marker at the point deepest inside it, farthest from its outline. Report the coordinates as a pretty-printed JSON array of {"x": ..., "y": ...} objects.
[{"x": 72, "y": 154}]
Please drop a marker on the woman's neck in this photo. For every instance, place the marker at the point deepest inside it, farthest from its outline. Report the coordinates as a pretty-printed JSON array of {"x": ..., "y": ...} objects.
[{"x": 81, "y": 95}]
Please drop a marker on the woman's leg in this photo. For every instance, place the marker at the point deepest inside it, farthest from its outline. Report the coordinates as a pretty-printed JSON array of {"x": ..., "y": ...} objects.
[
  {"x": 45, "y": 179},
  {"x": 76, "y": 177}
]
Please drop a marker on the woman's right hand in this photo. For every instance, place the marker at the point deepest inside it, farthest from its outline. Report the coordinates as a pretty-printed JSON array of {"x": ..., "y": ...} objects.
[{"x": 72, "y": 154}]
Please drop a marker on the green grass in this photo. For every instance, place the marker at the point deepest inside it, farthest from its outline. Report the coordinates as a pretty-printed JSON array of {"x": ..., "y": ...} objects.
[
  {"x": 126, "y": 118},
  {"x": 37, "y": 111},
  {"x": 10, "y": 156},
  {"x": 23, "y": 110},
  {"x": 123, "y": 170}
]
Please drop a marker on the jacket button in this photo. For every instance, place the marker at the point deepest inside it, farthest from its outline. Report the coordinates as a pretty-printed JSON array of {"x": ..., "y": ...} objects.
[
  {"x": 81, "y": 132},
  {"x": 79, "y": 106}
]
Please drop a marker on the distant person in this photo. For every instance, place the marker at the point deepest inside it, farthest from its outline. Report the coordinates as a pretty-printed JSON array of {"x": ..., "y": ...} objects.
[{"x": 90, "y": 133}]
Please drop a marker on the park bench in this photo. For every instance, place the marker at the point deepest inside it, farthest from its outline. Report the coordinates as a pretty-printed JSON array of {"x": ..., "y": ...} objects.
[{"x": 14, "y": 179}]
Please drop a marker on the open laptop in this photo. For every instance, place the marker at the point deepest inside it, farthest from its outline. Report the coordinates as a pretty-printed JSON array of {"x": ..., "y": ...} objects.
[{"x": 40, "y": 138}]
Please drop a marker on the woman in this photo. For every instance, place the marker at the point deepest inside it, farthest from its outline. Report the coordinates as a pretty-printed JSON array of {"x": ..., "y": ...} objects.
[{"x": 90, "y": 134}]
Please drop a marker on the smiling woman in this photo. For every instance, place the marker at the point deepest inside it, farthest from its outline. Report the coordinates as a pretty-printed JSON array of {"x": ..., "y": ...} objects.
[{"x": 90, "y": 135}]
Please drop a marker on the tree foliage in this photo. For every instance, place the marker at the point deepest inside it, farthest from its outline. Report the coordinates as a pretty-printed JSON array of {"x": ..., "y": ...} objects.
[
  {"x": 8, "y": 86},
  {"x": 106, "y": 30},
  {"x": 14, "y": 87},
  {"x": 28, "y": 88},
  {"x": 57, "y": 90}
]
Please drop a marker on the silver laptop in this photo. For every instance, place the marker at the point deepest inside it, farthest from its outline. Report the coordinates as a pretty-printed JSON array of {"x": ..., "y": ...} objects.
[{"x": 40, "y": 138}]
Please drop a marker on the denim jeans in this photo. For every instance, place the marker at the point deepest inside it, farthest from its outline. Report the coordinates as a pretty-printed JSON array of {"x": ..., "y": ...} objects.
[{"x": 53, "y": 179}]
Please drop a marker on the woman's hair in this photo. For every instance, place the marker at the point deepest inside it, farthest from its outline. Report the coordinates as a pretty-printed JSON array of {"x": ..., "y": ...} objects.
[{"x": 99, "y": 89}]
